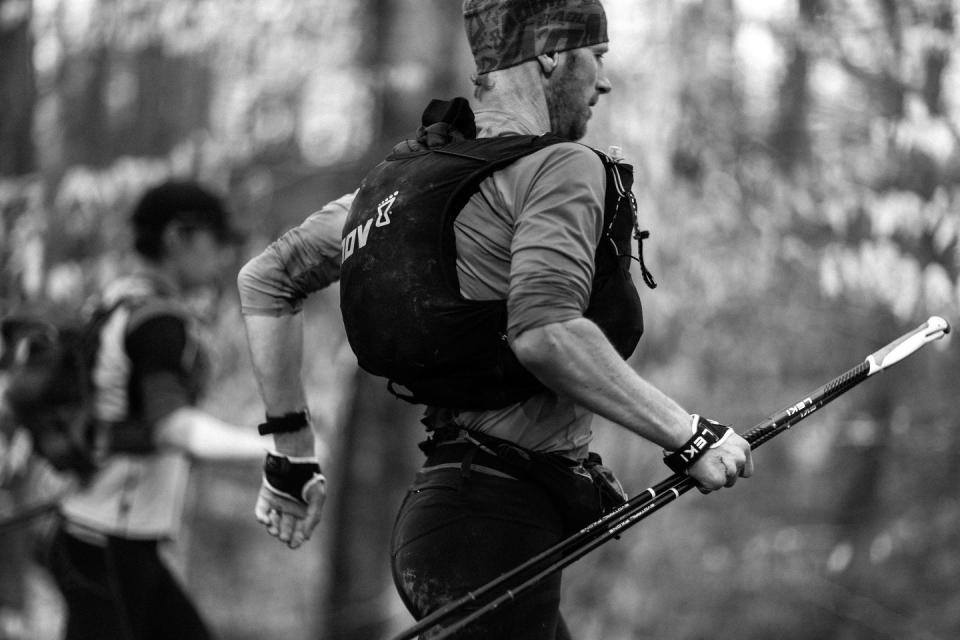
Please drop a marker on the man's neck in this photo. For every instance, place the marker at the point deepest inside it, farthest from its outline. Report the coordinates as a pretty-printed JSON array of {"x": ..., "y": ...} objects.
[
  {"x": 514, "y": 104},
  {"x": 161, "y": 273}
]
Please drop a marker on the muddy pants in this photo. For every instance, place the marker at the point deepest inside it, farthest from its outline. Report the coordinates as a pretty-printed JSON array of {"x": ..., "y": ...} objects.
[{"x": 458, "y": 530}]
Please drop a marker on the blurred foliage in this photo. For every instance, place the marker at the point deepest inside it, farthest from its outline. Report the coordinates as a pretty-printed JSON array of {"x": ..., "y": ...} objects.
[{"x": 796, "y": 161}]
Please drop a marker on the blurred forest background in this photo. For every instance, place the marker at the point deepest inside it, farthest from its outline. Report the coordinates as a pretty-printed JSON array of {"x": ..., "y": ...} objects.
[{"x": 798, "y": 165}]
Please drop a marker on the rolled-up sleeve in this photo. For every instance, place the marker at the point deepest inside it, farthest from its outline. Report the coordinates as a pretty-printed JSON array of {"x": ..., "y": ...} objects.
[
  {"x": 555, "y": 239},
  {"x": 300, "y": 262}
]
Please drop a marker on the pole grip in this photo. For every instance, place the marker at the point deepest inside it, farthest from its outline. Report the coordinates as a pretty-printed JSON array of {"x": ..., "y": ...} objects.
[{"x": 933, "y": 329}]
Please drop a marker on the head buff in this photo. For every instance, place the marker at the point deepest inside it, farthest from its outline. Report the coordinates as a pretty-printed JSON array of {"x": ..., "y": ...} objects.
[{"x": 504, "y": 33}]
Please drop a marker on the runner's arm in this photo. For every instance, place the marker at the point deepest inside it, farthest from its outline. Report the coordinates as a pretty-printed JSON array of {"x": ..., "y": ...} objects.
[
  {"x": 552, "y": 253},
  {"x": 273, "y": 287},
  {"x": 203, "y": 435},
  {"x": 155, "y": 348},
  {"x": 575, "y": 359}
]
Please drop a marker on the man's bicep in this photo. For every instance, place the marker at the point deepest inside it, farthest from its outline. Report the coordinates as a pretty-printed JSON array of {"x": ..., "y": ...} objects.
[{"x": 556, "y": 234}]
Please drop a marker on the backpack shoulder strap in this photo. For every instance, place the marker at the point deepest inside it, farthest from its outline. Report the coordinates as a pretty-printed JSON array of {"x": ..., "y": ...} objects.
[{"x": 150, "y": 307}]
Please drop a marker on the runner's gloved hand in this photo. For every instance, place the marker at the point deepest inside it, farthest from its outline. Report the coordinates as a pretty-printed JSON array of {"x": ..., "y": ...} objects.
[
  {"x": 16, "y": 445},
  {"x": 715, "y": 456},
  {"x": 291, "y": 497}
]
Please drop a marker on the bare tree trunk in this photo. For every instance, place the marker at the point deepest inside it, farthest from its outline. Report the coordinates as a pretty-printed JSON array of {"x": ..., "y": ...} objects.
[
  {"x": 790, "y": 139},
  {"x": 17, "y": 100},
  {"x": 172, "y": 100},
  {"x": 858, "y": 512},
  {"x": 710, "y": 114},
  {"x": 376, "y": 469},
  {"x": 82, "y": 84},
  {"x": 17, "y": 89},
  {"x": 936, "y": 61}
]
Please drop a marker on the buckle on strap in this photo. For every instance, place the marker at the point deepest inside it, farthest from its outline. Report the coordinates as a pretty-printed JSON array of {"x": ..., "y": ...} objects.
[{"x": 442, "y": 435}]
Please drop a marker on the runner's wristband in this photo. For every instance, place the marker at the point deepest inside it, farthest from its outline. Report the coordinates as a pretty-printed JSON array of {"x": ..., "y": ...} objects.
[
  {"x": 291, "y": 477},
  {"x": 707, "y": 434},
  {"x": 287, "y": 423}
]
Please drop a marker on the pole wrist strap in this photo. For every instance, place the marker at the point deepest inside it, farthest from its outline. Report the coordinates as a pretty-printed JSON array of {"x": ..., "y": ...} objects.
[
  {"x": 291, "y": 477},
  {"x": 707, "y": 434},
  {"x": 287, "y": 423}
]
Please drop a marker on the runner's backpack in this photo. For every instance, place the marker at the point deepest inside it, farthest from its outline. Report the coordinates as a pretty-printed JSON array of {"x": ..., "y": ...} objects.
[{"x": 47, "y": 357}]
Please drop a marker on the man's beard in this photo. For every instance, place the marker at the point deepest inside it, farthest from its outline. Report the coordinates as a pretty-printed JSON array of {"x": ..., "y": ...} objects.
[{"x": 567, "y": 119}]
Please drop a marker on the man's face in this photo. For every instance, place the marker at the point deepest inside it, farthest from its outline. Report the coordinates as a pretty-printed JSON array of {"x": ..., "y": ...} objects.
[
  {"x": 575, "y": 86},
  {"x": 201, "y": 258}
]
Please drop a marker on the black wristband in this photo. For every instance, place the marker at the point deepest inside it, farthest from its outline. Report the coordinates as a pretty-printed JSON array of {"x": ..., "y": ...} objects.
[
  {"x": 707, "y": 434},
  {"x": 287, "y": 477},
  {"x": 287, "y": 423}
]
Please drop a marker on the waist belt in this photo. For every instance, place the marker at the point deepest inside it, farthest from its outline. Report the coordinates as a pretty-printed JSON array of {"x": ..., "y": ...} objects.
[{"x": 467, "y": 457}]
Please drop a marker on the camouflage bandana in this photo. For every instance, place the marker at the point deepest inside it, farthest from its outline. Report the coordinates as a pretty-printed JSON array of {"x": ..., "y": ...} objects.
[{"x": 504, "y": 33}]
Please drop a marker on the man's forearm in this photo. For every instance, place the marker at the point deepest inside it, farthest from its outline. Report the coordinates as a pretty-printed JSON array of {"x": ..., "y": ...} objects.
[
  {"x": 203, "y": 435},
  {"x": 276, "y": 353},
  {"x": 575, "y": 359}
]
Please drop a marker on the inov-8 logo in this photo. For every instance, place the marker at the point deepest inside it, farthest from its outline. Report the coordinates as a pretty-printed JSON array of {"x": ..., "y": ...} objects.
[{"x": 358, "y": 236}]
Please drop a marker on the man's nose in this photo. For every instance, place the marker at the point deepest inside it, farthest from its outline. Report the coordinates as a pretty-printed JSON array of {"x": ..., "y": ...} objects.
[{"x": 603, "y": 85}]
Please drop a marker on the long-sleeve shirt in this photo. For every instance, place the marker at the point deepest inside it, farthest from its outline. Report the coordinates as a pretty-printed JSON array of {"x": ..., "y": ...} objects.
[{"x": 528, "y": 236}]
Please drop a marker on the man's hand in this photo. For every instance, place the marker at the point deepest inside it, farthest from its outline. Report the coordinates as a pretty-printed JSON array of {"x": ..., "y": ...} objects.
[
  {"x": 15, "y": 450},
  {"x": 721, "y": 465},
  {"x": 291, "y": 498},
  {"x": 715, "y": 456}
]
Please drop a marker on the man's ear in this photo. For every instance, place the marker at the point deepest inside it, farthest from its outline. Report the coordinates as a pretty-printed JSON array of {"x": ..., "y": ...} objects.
[{"x": 548, "y": 62}]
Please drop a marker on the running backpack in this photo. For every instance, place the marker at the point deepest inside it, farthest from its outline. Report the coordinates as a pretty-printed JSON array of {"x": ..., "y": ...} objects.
[{"x": 47, "y": 359}]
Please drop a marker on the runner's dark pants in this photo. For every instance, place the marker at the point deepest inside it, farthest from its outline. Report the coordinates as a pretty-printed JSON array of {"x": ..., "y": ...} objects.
[
  {"x": 121, "y": 591},
  {"x": 455, "y": 533}
]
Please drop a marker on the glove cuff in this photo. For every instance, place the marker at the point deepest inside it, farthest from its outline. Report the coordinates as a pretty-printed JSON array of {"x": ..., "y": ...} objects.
[
  {"x": 291, "y": 477},
  {"x": 707, "y": 434}
]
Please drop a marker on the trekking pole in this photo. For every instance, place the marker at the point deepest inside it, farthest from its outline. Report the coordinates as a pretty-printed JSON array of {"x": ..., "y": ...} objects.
[
  {"x": 652, "y": 499},
  {"x": 531, "y": 564}
]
